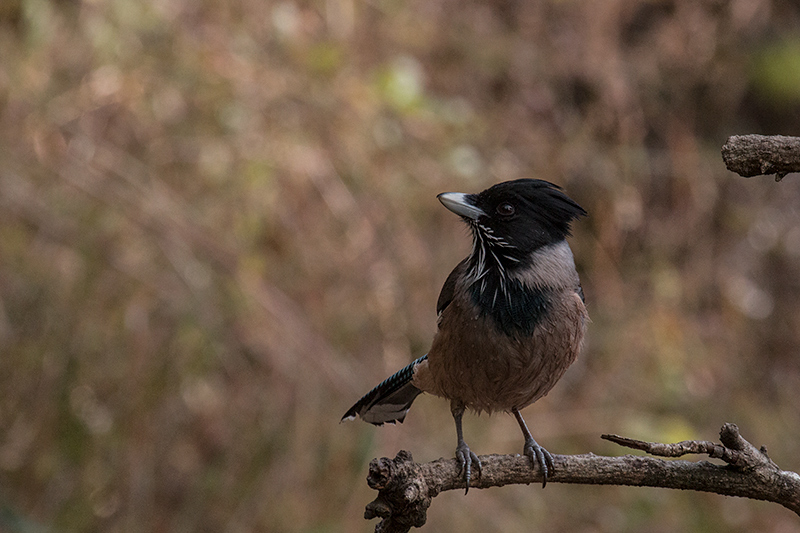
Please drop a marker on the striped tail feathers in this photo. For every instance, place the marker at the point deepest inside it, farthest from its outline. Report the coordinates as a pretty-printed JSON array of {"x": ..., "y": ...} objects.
[{"x": 388, "y": 402}]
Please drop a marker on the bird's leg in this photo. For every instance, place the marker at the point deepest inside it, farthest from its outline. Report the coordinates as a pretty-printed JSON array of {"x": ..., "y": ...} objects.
[
  {"x": 532, "y": 449},
  {"x": 464, "y": 455}
]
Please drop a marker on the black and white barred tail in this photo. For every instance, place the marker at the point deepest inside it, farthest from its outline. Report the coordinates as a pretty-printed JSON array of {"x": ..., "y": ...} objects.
[{"x": 388, "y": 402}]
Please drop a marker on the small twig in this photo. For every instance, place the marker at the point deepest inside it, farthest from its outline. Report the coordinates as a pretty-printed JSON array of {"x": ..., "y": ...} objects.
[
  {"x": 406, "y": 489},
  {"x": 678, "y": 449},
  {"x": 755, "y": 155}
]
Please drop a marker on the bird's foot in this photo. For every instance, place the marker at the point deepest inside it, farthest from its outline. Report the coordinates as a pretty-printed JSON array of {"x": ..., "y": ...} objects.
[
  {"x": 466, "y": 458},
  {"x": 539, "y": 456}
]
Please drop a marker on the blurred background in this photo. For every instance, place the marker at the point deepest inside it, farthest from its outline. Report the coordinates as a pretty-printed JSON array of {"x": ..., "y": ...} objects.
[{"x": 218, "y": 229}]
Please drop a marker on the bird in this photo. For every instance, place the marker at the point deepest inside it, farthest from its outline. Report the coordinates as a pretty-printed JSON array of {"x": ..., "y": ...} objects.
[{"x": 511, "y": 317}]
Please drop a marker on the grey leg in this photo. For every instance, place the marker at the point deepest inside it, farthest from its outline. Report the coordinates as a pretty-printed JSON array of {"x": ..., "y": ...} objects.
[
  {"x": 464, "y": 455},
  {"x": 532, "y": 449}
]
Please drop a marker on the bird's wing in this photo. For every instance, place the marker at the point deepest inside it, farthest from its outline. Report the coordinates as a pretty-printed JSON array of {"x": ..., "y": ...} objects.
[{"x": 449, "y": 287}]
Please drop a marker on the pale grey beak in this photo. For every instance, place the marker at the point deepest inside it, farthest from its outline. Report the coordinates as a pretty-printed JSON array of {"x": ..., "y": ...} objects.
[{"x": 460, "y": 204}]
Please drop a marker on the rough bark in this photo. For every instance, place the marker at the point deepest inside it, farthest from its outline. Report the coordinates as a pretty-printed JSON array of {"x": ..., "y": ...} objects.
[
  {"x": 406, "y": 489},
  {"x": 755, "y": 155}
]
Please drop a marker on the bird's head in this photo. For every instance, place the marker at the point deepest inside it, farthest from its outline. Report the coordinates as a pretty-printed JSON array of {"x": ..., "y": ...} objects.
[{"x": 515, "y": 218}]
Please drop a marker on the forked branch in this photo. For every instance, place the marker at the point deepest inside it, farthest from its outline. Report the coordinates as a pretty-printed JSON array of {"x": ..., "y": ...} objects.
[{"x": 405, "y": 488}]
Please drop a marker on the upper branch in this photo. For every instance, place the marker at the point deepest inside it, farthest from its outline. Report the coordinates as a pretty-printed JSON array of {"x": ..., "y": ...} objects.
[
  {"x": 405, "y": 488},
  {"x": 753, "y": 155}
]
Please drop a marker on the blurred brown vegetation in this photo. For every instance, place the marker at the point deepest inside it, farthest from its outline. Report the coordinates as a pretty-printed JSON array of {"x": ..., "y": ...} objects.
[{"x": 218, "y": 228}]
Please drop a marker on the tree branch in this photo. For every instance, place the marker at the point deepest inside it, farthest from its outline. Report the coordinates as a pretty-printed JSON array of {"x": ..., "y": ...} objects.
[
  {"x": 406, "y": 489},
  {"x": 754, "y": 155}
]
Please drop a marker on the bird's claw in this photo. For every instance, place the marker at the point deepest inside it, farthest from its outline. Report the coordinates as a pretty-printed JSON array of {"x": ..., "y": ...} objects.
[
  {"x": 539, "y": 456},
  {"x": 466, "y": 458}
]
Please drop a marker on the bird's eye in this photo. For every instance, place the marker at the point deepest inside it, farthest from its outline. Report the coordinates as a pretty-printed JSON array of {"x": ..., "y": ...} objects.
[{"x": 505, "y": 209}]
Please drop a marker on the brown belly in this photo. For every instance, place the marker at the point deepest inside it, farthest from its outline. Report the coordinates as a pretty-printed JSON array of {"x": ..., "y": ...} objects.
[{"x": 472, "y": 363}]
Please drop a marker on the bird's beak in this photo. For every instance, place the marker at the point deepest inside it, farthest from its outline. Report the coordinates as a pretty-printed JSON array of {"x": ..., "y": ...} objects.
[{"x": 461, "y": 204}]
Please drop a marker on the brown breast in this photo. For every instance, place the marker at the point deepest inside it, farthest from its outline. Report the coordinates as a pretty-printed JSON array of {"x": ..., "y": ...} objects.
[{"x": 472, "y": 362}]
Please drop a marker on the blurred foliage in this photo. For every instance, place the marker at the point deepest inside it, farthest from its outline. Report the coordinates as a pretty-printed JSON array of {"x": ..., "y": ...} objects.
[
  {"x": 776, "y": 72},
  {"x": 218, "y": 228}
]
